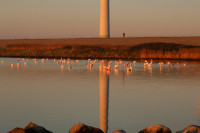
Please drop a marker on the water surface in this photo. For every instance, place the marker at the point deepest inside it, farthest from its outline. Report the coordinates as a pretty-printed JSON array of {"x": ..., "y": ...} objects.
[{"x": 57, "y": 98}]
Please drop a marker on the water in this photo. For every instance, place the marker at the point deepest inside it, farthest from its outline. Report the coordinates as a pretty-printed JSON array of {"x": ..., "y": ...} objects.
[{"x": 57, "y": 98}]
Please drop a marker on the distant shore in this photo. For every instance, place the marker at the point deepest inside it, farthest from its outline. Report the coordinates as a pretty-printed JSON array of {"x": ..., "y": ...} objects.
[{"x": 160, "y": 48}]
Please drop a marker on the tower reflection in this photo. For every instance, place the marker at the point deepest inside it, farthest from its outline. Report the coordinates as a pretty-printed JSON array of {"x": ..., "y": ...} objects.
[{"x": 104, "y": 98}]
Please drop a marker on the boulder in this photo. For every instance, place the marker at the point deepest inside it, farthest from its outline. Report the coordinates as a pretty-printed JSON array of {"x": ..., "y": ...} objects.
[
  {"x": 30, "y": 128},
  {"x": 156, "y": 129},
  {"x": 190, "y": 129},
  {"x": 119, "y": 131},
  {"x": 33, "y": 128},
  {"x": 17, "y": 130},
  {"x": 30, "y": 125},
  {"x": 82, "y": 128}
]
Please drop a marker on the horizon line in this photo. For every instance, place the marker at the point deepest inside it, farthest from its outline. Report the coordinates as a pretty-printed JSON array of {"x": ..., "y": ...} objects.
[{"x": 100, "y": 38}]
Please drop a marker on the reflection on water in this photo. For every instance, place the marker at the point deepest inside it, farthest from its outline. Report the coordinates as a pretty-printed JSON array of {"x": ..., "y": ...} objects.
[
  {"x": 197, "y": 105},
  {"x": 116, "y": 72},
  {"x": 197, "y": 113},
  {"x": 57, "y": 97},
  {"x": 104, "y": 99},
  {"x": 197, "y": 108}
]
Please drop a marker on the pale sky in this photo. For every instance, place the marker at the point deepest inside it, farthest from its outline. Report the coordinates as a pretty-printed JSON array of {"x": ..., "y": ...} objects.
[{"x": 80, "y": 18}]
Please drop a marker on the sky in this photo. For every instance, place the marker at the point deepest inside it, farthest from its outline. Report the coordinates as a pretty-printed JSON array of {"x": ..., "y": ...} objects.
[{"x": 21, "y": 19}]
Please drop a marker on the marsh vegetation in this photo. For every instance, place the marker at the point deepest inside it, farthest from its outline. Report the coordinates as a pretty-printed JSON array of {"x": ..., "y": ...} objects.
[{"x": 157, "y": 50}]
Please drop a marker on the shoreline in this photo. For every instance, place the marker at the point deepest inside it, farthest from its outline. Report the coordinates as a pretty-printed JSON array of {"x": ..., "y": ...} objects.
[
  {"x": 156, "y": 48},
  {"x": 123, "y": 59}
]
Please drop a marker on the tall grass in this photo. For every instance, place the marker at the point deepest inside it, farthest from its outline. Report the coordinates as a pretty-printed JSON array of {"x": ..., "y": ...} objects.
[
  {"x": 169, "y": 51},
  {"x": 183, "y": 54}
]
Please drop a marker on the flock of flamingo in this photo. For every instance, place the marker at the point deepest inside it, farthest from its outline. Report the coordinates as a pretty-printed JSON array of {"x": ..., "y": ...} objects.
[{"x": 106, "y": 65}]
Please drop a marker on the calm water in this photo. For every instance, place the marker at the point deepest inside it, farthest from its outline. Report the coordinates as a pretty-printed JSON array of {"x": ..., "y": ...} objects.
[{"x": 57, "y": 98}]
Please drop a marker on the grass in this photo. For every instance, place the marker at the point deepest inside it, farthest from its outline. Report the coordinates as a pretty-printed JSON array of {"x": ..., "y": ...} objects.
[
  {"x": 169, "y": 51},
  {"x": 159, "y": 50}
]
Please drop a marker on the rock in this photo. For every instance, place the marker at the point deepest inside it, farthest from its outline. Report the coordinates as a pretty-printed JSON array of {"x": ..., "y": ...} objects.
[
  {"x": 17, "y": 130},
  {"x": 30, "y": 125},
  {"x": 82, "y": 128},
  {"x": 33, "y": 128},
  {"x": 190, "y": 129},
  {"x": 119, "y": 131},
  {"x": 156, "y": 129},
  {"x": 30, "y": 128}
]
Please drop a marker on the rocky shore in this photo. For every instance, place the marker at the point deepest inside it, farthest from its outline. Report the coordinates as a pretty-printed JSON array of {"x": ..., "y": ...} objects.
[{"x": 82, "y": 128}]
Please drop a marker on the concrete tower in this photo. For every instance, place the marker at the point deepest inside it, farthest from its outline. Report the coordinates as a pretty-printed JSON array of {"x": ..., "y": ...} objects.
[{"x": 104, "y": 19}]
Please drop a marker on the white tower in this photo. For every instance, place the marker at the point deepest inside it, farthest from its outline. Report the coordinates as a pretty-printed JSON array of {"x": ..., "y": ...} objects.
[{"x": 104, "y": 19}]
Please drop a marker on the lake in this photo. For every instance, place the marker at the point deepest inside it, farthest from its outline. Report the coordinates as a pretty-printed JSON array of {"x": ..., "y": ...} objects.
[{"x": 57, "y": 97}]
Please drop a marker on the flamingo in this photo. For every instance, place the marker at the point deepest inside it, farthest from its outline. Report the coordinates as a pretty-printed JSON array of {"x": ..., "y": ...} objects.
[
  {"x": 116, "y": 66},
  {"x": 62, "y": 66},
  {"x": 128, "y": 69}
]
